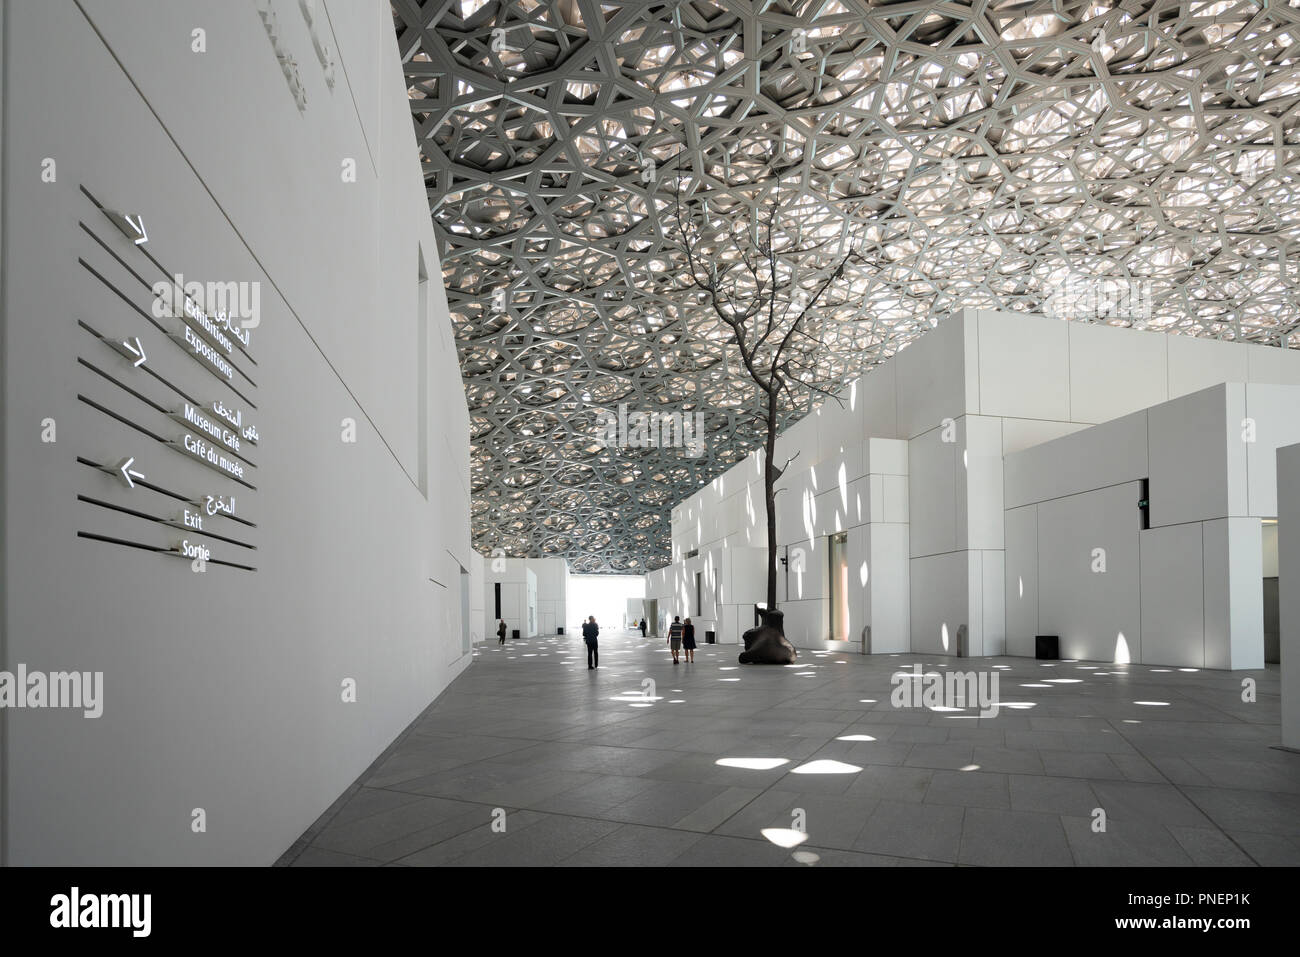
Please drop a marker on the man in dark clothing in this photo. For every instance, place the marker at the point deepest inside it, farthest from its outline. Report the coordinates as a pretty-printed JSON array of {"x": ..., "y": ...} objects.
[
  {"x": 642, "y": 627},
  {"x": 501, "y": 632},
  {"x": 589, "y": 632}
]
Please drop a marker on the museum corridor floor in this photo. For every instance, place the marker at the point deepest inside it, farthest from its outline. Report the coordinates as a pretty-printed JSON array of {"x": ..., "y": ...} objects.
[{"x": 529, "y": 758}]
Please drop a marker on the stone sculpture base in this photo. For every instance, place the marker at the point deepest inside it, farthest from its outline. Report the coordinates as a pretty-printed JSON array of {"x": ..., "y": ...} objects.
[{"x": 767, "y": 644}]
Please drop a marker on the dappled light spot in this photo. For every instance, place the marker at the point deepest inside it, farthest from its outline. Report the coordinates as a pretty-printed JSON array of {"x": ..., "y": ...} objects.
[
  {"x": 1122, "y": 656},
  {"x": 752, "y": 764},
  {"x": 784, "y": 836},
  {"x": 826, "y": 766}
]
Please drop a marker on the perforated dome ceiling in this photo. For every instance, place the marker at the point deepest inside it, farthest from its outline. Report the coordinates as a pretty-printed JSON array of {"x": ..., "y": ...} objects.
[{"x": 993, "y": 155}]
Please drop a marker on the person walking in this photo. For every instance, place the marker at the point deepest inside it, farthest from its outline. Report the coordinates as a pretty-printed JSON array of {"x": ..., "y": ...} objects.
[
  {"x": 501, "y": 632},
  {"x": 675, "y": 637},
  {"x": 642, "y": 627},
  {"x": 589, "y": 632},
  {"x": 688, "y": 640}
]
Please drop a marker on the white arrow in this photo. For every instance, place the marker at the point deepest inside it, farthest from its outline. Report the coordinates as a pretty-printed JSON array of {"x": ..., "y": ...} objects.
[
  {"x": 136, "y": 348},
  {"x": 139, "y": 228},
  {"x": 124, "y": 471},
  {"x": 136, "y": 233}
]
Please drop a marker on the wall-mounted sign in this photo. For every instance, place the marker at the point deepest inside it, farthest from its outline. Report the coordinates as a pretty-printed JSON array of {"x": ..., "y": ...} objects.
[
  {"x": 288, "y": 64},
  {"x": 132, "y": 227},
  {"x": 188, "y": 519},
  {"x": 199, "y": 347},
  {"x": 324, "y": 52},
  {"x": 212, "y": 323},
  {"x": 190, "y": 549},
  {"x": 190, "y": 415},
  {"x": 132, "y": 348},
  {"x": 210, "y": 455},
  {"x": 236, "y": 308},
  {"x": 235, "y": 418},
  {"x": 123, "y": 470},
  {"x": 216, "y": 504}
]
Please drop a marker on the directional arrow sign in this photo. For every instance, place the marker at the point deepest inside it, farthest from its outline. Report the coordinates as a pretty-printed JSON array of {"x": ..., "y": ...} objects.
[
  {"x": 132, "y": 227},
  {"x": 132, "y": 348},
  {"x": 124, "y": 471}
]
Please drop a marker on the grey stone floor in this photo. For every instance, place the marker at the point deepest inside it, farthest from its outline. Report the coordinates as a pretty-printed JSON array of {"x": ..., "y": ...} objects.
[{"x": 584, "y": 769}]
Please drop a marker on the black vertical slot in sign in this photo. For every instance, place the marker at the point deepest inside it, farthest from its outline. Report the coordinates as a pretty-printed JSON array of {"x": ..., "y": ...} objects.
[
  {"x": 1144, "y": 502},
  {"x": 497, "y": 616}
]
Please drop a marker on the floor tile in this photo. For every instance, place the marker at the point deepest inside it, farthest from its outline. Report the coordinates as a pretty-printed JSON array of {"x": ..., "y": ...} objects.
[{"x": 583, "y": 778}]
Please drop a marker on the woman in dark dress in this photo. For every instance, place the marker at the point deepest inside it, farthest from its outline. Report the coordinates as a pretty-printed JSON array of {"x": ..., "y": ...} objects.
[{"x": 688, "y": 640}]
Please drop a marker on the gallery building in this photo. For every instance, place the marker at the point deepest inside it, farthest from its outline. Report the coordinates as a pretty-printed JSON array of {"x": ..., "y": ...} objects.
[{"x": 381, "y": 381}]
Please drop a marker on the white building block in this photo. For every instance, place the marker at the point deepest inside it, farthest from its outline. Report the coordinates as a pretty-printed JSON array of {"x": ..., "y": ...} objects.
[
  {"x": 1274, "y": 414},
  {"x": 932, "y": 493},
  {"x": 1021, "y": 579},
  {"x": 1288, "y": 564},
  {"x": 1196, "y": 364},
  {"x": 1024, "y": 367},
  {"x": 1103, "y": 455},
  {"x": 1173, "y": 604},
  {"x": 931, "y": 376},
  {"x": 1094, "y": 611},
  {"x": 1115, "y": 372},
  {"x": 1190, "y": 439}
]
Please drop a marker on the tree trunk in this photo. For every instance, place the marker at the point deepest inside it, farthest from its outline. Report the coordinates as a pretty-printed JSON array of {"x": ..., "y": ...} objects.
[{"x": 769, "y": 496}]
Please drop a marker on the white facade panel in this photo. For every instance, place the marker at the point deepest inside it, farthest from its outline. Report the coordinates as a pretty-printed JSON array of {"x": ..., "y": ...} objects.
[
  {"x": 1173, "y": 596},
  {"x": 1115, "y": 372}
]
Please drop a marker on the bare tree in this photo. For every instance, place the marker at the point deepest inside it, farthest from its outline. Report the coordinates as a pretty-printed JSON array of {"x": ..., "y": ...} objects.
[{"x": 766, "y": 274}]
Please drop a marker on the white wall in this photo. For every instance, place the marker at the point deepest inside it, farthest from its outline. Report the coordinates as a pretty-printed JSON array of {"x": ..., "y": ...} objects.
[
  {"x": 539, "y": 599},
  {"x": 1288, "y": 499},
  {"x": 222, "y": 688},
  {"x": 1188, "y": 590},
  {"x": 608, "y": 597},
  {"x": 477, "y": 595},
  {"x": 981, "y": 386},
  {"x": 834, "y": 484}
]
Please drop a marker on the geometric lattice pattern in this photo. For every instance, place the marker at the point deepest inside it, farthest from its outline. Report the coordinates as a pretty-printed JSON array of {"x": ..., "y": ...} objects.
[{"x": 1131, "y": 163}]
